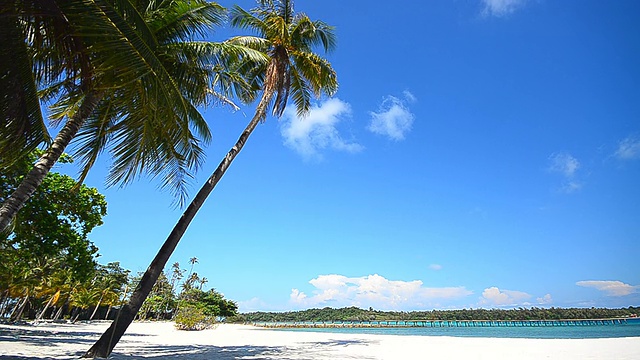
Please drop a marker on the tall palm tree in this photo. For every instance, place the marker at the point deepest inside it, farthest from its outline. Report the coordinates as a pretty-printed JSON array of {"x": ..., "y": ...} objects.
[
  {"x": 293, "y": 70},
  {"x": 138, "y": 92}
]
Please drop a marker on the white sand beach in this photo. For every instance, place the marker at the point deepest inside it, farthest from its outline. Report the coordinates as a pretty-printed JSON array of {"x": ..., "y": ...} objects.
[{"x": 160, "y": 340}]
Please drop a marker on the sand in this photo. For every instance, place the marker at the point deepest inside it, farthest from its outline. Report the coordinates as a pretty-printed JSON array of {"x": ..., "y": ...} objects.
[{"x": 160, "y": 340}]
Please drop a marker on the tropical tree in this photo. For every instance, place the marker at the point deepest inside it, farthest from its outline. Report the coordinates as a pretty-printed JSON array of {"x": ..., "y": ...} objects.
[
  {"x": 110, "y": 281},
  {"x": 293, "y": 70},
  {"x": 199, "y": 309},
  {"x": 130, "y": 81},
  {"x": 48, "y": 248}
]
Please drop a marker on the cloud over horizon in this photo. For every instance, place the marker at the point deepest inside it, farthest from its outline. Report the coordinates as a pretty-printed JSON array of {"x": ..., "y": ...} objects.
[
  {"x": 501, "y": 8},
  {"x": 372, "y": 291},
  {"x": 495, "y": 297},
  {"x": 393, "y": 118},
  {"x": 318, "y": 130},
  {"x": 610, "y": 288}
]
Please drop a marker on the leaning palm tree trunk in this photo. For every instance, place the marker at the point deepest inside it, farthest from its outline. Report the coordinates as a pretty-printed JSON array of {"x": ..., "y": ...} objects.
[
  {"x": 103, "y": 347},
  {"x": 34, "y": 178},
  {"x": 96, "y": 308}
]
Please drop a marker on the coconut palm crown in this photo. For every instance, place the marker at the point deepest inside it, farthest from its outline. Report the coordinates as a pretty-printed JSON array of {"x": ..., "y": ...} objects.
[{"x": 289, "y": 39}]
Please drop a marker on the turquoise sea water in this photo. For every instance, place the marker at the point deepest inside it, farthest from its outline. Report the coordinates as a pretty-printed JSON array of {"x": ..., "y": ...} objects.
[{"x": 630, "y": 329}]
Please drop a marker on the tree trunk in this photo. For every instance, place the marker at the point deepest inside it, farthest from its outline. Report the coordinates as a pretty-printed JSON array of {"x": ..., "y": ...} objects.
[
  {"x": 103, "y": 347},
  {"x": 20, "y": 309},
  {"x": 58, "y": 313},
  {"x": 34, "y": 178},
  {"x": 4, "y": 302},
  {"x": 75, "y": 317},
  {"x": 108, "y": 311},
  {"x": 96, "y": 308},
  {"x": 46, "y": 307}
]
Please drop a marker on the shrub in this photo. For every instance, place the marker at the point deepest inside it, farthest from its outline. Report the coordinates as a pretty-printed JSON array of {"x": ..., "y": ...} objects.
[{"x": 191, "y": 317}]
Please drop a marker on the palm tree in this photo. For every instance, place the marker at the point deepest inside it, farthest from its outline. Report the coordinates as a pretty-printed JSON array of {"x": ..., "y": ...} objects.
[
  {"x": 134, "y": 91},
  {"x": 203, "y": 281},
  {"x": 293, "y": 70},
  {"x": 192, "y": 261}
]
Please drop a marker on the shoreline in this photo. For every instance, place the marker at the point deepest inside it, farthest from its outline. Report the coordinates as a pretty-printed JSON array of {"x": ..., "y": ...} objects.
[{"x": 160, "y": 340}]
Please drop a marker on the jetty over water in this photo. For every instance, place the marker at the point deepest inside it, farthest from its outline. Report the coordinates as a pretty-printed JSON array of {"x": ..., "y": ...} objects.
[{"x": 440, "y": 323}]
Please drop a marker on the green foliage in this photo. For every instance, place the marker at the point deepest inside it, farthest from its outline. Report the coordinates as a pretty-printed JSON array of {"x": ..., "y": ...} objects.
[
  {"x": 211, "y": 302},
  {"x": 47, "y": 251},
  {"x": 199, "y": 309},
  {"x": 192, "y": 317},
  {"x": 161, "y": 302},
  {"x": 55, "y": 222},
  {"x": 192, "y": 308},
  {"x": 356, "y": 314},
  {"x": 47, "y": 254}
]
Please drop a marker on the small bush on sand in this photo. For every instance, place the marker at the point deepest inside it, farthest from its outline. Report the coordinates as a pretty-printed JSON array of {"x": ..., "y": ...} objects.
[{"x": 191, "y": 317}]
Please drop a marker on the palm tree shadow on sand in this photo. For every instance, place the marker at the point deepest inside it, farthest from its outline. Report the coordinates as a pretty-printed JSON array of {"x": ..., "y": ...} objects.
[{"x": 132, "y": 351}]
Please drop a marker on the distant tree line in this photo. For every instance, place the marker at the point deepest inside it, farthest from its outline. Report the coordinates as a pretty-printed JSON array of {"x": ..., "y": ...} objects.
[{"x": 357, "y": 314}]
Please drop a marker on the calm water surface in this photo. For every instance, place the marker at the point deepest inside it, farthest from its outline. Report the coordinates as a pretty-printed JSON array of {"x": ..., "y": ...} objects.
[{"x": 630, "y": 329}]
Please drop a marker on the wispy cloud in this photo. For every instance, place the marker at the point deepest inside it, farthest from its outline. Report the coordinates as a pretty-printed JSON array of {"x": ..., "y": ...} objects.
[
  {"x": 564, "y": 163},
  {"x": 501, "y": 8},
  {"x": 393, "y": 119},
  {"x": 545, "y": 300},
  {"x": 610, "y": 288},
  {"x": 435, "y": 267},
  {"x": 372, "y": 290},
  {"x": 567, "y": 165},
  {"x": 254, "y": 304},
  {"x": 629, "y": 148},
  {"x": 318, "y": 130},
  {"x": 495, "y": 297}
]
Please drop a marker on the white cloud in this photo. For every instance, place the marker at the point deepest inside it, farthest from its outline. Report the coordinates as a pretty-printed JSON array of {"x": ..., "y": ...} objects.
[
  {"x": 435, "y": 267},
  {"x": 567, "y": 165},
  {"x": 564, "y": 163},
  {"x": 393, "y": 119},
  {"x": 495, "y": 297},
  {"x": 610, "y": 288},
  {"x": 318, "y": 130},
  {"x": 408, "y": 95},
  {"x": 372, "y": 290},
  {"x": 255, "y": 304},
  {"x": 628, "y": 149},
  {"x": 545, "y": 300},
  {"x": 501, "y": 8},
  {"x": 571, "y": 186}
]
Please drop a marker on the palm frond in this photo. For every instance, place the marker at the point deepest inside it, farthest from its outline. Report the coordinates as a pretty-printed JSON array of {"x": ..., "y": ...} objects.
[
  {"x": 243, "y": 19},
  {"x": 317, "y": 71},
  {"x": 300, "y": 93},
  {"x": 183, "y": 20},
  {"x": 22, "y": 128}
]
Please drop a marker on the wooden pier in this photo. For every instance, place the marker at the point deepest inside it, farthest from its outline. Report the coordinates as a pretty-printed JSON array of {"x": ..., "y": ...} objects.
[{"x": 440, "y": 323}]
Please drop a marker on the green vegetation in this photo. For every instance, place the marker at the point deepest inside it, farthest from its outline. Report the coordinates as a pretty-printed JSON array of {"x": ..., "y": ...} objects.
[
  {"x": 186, "y": 303},
  {"x": 286, "y": 40},
  {"x": 48, "y": 266},
  {"x": 49, "y": 269},
  {"x": 355, "y": 314},
  {"x": 128, "y": 77}
]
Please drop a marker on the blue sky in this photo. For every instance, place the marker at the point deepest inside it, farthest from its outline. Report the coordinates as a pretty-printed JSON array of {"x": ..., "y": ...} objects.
[{"x": 480, "y": 153}]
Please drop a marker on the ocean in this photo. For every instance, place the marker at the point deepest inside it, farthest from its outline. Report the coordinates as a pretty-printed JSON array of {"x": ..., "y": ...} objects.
[{"x": 629, "y": 329}]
